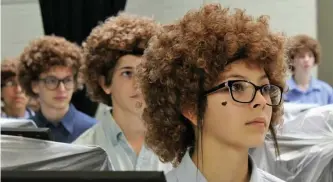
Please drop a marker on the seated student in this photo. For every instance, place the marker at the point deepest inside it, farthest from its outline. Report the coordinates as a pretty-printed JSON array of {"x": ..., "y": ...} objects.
[
  {"x": 112, "y": 52},
  {"x": 48, "y": 70},
  {"x": 13, "y": 99},
  {"x": 213, "y": 85},
  {"x": 304, "y": 54},
  {"x": 34, "y": 104}
]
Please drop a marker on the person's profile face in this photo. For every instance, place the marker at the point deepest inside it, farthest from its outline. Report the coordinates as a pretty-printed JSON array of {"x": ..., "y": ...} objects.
[
  {"x": 304, "y": 61},
  {"x": 239, "y": 124},
  {"x": 123, "y": 89}
]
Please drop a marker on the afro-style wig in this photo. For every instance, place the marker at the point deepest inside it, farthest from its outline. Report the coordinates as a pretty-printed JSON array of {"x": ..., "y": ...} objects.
[
  {"x": 44, "y": 53},
  {"x": 116, "y": 37},
  {"x": 302, "y": 43},
  {"x": 8, "y": 69},
  {"x": 207, "y": 40}
]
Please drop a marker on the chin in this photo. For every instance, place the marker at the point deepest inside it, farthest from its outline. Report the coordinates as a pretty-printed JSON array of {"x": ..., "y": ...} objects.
[
  {"x": 255, "y": 141},
  {"x": 60, "y": 105},
  {"x": 20, "y": 106}
]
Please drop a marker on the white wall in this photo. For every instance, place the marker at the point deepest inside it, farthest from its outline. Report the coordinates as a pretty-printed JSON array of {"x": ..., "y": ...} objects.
[
  {"x": 165, "y": 11},
  {"x": 20, "y": 22},
  {"x": 289, "y": 16},
  {"x": 325, "y": 30}
]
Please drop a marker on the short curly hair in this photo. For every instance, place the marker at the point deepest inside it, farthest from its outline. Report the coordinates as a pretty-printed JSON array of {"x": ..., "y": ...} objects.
[
  {"x": 301, "y": 43},
  {"x": 206, "y": 40},
  {"x": 116, "y": 37},
  {"x": 8, "y": 69},
  {"x": 44, "y": 53}
]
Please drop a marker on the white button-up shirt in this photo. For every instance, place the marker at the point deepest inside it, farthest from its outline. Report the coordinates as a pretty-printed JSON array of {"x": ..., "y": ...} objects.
[
  {"x": 188, "y": 172},
  {"x": 108, "y": 135}
]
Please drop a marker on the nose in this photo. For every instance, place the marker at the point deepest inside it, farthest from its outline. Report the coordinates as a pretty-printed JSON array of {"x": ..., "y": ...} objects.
[
  {"x": 61, "y": 86},
  {"x": 259, "y": 101},
  {"x": 18, "y": 89}
]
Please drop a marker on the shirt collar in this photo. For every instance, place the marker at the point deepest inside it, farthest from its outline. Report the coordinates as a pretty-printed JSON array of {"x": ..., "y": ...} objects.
[
  {"x": 187, "y": 167},
  {"x": 67, "y": 121},
  {"x": 28, "y": 114},
  {"x": 313, "y": 86},
  {"x": 111, "y": 128},
  {"x": 292, "y": 84}
]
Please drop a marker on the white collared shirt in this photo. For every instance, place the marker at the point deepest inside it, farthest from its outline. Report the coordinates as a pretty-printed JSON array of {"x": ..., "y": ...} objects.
[
  {"x": 188, "y": 172},
  {"x": 108, "y": 135}
]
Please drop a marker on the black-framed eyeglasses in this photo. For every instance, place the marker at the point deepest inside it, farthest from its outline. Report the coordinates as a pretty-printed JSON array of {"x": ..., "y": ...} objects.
[
  {"x": 53, "y": 83},
  {"x": 10, "y": 83},
  {"x": 244, "y": 91}
]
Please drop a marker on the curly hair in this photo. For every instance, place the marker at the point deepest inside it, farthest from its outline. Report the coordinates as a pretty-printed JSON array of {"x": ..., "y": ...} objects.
[
  {"x": 116, "y": 37},
  {"x": 302, "y": 43},
  {"x": 8, "y": 69},
  {"x": 44, "y": 53},
  {"x": 205, "y": 39}
]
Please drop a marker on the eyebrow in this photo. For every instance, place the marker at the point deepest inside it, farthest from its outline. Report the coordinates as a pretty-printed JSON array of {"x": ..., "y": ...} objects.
[
  {"x": 262, "y": 77},
  {"x": 126, "y": 68}
]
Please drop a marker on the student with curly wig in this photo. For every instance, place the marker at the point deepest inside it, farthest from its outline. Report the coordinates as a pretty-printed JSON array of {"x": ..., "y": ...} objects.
[
  {"x": 112, "y": 51},
  {"x": 213, "y": 84},
  {"x": 13, "y": 99},
  {"x": 48, "y": 71},
  {"x": 304, "y": 53}
]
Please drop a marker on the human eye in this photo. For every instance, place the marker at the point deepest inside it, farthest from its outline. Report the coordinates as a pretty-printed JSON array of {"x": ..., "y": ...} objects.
[
  {"x": 68, "y": 80},
  {"x": 10, "y": 83},
  {"x": 127, "y": 74},
  {"x": 239, "y": 86},
  {"x": 51, "y": 80},
  {"x": 271, "y": 90}
]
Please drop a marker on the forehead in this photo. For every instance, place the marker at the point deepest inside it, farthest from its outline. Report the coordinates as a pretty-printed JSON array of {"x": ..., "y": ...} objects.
[
  {"x": 304, "y": 51},
  {"x": 58, "y": 71},
  {"x": 243, "y": 68},
  {"x": 129, "y": 61}
]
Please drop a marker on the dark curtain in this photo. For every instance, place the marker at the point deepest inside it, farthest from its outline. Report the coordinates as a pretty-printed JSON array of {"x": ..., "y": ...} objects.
[{"x": 74, "y": 20}]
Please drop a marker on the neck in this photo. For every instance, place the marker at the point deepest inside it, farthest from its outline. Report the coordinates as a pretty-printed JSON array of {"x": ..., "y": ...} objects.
[
  {"x": 221, "y": 162},
  {"x": 53, "y": 115},
  {"x": 131, "y": 125},
  {"x": 15, "y": 112},
  {"x": 302, "y": 78}
]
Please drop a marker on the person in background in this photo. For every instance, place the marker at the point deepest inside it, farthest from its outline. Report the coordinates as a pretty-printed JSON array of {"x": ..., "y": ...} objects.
[
  {"x": 48, "y": 71},
  {"x": 303, "y": 52},
  {"x": 112, "y": 52},
  {"x": 14, "y": 100},
  {"x": 34, "y": 104},
  {"x": 202, "y": 72}
]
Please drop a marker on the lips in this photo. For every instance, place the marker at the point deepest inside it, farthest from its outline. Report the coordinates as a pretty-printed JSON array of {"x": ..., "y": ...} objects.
[
  {"x": 260, "y": 121},
  {"x": 60, "y": 98},
  {"x": 19, "y": 99}
]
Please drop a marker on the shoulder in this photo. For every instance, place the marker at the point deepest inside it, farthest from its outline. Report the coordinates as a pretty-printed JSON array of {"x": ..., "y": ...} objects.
[
  {"x": 266, "y": 177},
  {"x": 325, "y": 86},
  {"x": 172, "y": 176},
  {"x": 90, "y": 136},
  {"x": 85, "y": 120},
  {"x": 35, "y": 118}
]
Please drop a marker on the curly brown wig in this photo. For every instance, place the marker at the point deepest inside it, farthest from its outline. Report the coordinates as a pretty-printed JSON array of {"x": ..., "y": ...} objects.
[
  {"x": 207, "y": 40},
  {"x": 8, "y": 69},
  {"x": 116, "y": 37},
  {"x": 44, "y": 53},
  {"x": 302, "y": 43}
]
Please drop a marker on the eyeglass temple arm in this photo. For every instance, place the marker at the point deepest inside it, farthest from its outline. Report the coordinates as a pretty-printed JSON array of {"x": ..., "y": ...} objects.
[{"x": 214, "y": 89}]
